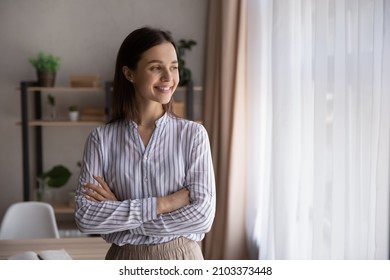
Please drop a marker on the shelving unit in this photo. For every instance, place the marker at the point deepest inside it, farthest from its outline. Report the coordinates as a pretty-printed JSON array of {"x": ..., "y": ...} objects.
[
  {"x": 28, "y": 90},
  {"x": 62, "y": 123}
]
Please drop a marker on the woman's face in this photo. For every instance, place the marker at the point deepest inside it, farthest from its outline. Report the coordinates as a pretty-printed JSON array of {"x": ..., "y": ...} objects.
[{"x": 157, "y": 75}]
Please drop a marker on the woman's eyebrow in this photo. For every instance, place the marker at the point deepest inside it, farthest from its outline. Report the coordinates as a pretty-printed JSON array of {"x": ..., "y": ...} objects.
[{"x": 160, "y": 61}]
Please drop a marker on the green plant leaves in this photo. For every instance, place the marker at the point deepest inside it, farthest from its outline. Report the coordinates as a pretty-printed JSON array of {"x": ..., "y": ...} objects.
[
  {"x": 57, "y": 177},
  {"x": 51, "y": 100},
  {"x": 45, "y": 62},
  {"x": 73, "y": 108},
  {"x": 185, "y": 74}
]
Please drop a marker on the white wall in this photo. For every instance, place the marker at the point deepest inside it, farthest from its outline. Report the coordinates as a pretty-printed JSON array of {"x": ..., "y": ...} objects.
[{"x": 86, "y": 34}]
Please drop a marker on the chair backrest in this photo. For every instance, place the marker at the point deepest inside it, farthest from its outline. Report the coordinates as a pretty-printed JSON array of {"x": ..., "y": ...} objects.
[{"x": 29, "y": 220}]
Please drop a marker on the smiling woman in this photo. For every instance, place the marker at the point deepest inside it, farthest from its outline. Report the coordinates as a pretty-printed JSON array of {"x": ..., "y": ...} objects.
[
  {"x": 147, "y": 181},
  {"x": 155, "y": 78}
]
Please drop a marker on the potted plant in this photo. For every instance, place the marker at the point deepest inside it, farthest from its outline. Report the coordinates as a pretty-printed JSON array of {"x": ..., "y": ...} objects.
[
  {"x": 184, "y": 72},
  {"x": 73, "y": 113},
  {"x": 46, "y": 66},
  {"x": 56, "y": 177}
]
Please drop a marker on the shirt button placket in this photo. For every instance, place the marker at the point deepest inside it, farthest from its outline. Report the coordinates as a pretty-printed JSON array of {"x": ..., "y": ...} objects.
[{"x": 146, "y": 174}]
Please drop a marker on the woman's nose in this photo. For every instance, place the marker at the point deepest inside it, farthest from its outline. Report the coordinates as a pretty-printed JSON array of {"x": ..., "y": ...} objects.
[{"x": 166, "y": 76}]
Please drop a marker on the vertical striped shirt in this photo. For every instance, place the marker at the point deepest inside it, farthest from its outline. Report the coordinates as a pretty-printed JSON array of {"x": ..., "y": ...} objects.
[{"x": 177, "y": 156}]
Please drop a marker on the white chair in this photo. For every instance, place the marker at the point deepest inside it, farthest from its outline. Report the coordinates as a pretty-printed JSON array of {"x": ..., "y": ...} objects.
[{"x": 29, "y": 220}]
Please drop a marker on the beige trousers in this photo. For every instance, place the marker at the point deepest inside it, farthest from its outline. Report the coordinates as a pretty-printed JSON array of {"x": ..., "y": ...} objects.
[{"x": 178, "y": 249}]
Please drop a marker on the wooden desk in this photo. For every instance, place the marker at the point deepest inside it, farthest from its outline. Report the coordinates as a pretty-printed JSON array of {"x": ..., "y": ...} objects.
[{"x": 83, "y": 248}]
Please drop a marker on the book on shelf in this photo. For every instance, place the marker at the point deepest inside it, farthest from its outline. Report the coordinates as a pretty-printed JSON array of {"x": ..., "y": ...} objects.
[
  {"x": 93, "y": 114},
  {"x": 92, "y": 80}
]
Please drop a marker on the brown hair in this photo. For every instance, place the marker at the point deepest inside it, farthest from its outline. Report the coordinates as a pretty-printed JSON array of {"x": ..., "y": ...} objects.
[{"x": 130, "y": 52}]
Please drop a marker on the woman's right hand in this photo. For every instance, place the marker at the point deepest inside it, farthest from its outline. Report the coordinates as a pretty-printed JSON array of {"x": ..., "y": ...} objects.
[
  {"x": 173, "y": 201},
  {"x": 99, "y": 193}
]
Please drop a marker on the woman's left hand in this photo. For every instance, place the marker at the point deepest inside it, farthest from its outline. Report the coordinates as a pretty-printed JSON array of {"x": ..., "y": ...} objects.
[{"x": 99, "y": 193}]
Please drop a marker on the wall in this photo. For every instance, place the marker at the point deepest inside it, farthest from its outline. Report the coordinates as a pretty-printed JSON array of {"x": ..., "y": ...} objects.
[{"x": 86, "y": 34}]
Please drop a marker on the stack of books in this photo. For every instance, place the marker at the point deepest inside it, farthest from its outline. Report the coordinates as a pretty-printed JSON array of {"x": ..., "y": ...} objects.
[
  {"x": 85, "y": 80},
  {"x": 93, "y": 114}
]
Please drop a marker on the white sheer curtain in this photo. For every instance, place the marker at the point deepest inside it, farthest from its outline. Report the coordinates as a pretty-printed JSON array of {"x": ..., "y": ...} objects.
[{"x": 318, "y": 109}]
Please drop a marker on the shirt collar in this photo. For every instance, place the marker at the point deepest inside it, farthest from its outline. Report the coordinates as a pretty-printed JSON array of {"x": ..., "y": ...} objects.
[{"x": 159, "y": 122}]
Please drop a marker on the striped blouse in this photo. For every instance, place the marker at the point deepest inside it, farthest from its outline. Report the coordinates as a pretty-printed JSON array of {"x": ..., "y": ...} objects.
[{"x": 177, "y": 155}]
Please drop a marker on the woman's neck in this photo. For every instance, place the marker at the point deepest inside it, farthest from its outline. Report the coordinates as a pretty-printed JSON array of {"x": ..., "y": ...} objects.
[{"x": 148, "y": 115}]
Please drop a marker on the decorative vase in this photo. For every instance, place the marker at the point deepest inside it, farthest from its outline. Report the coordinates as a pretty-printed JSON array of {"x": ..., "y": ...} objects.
[
  {"x": 46, "y": 79},
  {"x": 44, "y": 193},
  {"x": 53, "y": 113},
  {"x": 40, "y": 196}
]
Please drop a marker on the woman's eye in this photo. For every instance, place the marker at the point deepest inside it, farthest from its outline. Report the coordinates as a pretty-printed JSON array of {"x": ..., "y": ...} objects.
[{"x": 156, "y": 68}]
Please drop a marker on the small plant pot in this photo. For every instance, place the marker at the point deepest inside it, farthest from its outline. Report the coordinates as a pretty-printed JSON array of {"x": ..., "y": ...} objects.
[
  {"x": 46, "y": 79},
  {"x": 74, "y": 116}
]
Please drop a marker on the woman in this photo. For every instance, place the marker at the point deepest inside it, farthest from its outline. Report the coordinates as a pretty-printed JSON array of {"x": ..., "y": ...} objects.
[{"x": 147, "y": 182}]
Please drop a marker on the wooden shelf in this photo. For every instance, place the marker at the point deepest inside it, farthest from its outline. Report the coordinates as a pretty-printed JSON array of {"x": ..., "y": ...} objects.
[
  {"x": 63, "y": 123},
  {"x": 65, "y": 89}
]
